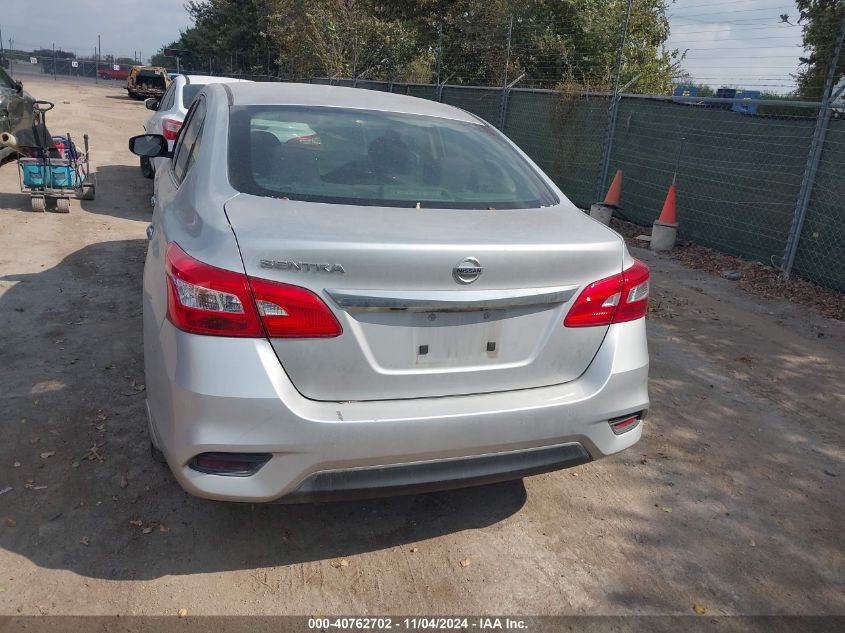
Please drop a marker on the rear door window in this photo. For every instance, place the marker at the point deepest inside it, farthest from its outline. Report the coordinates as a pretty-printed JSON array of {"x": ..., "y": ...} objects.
[
  {"x": 189, "y": 91},
  {"x": 188, "y": 144},
  {"x": 167, "y": 99}
]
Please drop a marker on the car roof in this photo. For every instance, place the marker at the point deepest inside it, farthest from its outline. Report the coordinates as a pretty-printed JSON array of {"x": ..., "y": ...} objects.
[
  {"x": 277, "y": 93},
  {"x": 211, "y": 79}
]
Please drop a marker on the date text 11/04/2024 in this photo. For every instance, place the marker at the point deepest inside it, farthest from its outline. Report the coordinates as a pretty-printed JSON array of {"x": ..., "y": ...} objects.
[{"x": 416, "y": 623}]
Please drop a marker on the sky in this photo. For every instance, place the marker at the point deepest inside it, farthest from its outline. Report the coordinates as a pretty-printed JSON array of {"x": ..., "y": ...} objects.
[
  {"x": 737, "y": 43},
  {"x": 125, "y": 26}
]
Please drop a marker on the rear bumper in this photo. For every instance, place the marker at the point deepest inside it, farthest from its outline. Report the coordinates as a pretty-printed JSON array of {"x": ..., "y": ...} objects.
[
  {"x": 443, "y": 474},
  {"x": 209, "y": 394}
]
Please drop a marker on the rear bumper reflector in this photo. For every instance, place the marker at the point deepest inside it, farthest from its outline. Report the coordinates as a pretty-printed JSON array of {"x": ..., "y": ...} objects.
[
  {"x": 229, "y": 464},
  {"x": 625, "y": 423}
]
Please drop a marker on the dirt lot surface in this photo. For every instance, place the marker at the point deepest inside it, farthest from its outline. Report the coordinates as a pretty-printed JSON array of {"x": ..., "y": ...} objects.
[{"x": 732, "y": 501}]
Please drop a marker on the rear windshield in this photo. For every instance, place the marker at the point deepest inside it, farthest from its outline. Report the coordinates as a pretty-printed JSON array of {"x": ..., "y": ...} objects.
[
  {"x": 357, "y": 157},
  {"x": 189, "y": 92}
]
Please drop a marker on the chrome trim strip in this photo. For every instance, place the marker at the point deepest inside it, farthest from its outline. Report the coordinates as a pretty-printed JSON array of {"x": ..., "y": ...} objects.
[{"x": 449, "y": 300}]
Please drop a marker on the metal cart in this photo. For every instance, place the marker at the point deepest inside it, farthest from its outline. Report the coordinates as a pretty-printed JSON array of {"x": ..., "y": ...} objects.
[{"x": 52, "y": 169}]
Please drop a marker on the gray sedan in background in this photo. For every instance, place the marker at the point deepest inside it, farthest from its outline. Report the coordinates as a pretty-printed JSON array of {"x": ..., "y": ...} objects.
[{"x": 349, "y": 293}]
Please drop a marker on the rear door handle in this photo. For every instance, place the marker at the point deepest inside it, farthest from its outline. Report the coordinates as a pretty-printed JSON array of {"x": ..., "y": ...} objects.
[{"x": 151, "y": 229}]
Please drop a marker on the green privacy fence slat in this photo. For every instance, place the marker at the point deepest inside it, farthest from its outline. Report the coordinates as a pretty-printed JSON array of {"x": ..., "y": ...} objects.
[
  {"x": 562, "y": 135},
  {"x": 738, "y": 174},
  {"x": 423, "y": 92},
  {"x": 482, "y": 102}
]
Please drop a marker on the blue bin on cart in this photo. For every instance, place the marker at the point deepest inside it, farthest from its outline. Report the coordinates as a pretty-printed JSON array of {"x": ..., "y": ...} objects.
[{"x": 38, "y": 175}]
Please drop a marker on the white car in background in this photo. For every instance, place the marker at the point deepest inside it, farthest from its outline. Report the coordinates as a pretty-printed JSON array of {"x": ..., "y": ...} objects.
[{"x": 171, "y": 109}]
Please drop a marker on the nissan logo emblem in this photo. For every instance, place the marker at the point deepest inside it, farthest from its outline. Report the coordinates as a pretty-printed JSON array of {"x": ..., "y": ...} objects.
[{"x": 467, "y": 270}]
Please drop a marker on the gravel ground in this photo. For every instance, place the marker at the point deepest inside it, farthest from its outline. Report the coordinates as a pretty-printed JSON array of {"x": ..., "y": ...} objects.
[{"x": 733, "y": 500}]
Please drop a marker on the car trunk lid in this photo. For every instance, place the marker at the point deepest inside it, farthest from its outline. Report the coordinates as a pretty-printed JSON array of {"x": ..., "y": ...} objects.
[{"x": 433, "y": 302}]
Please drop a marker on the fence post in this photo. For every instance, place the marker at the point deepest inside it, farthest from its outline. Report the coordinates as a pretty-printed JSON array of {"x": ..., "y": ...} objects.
[
  {"x": 503, "y": 106},
  {"x": 816, "y": 146},
  {"x": 613, "y": 111},
  {"x": 439, "y": 60}
]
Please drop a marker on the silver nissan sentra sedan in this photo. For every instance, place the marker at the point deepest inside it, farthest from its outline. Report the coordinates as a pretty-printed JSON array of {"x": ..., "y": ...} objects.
[{"x": 349, "y": 293}]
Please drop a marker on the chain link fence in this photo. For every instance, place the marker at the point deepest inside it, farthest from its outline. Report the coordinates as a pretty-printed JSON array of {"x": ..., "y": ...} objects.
[
  {"x": 821, "y": 248},
  {"x": 760, "y": 177},
  {"x": 738, "y": 174}
]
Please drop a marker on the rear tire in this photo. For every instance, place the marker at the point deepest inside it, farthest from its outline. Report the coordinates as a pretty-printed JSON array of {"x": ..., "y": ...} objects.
[
  {"x": 156, "y": 454},
  {"x": 38, "y": 204},
  {"x": 62, "y": 205},
  {"x": 147, "y": 168}
]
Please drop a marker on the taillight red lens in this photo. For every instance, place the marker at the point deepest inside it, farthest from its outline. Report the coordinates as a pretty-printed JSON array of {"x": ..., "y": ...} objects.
[
  {"x": 293, "y": 312},
  {"x": 203, "y": 299},
  {"x": 634, "y": 293},
  {"x": 170, "y": 128},
  {"x": 623, "y": 297}
]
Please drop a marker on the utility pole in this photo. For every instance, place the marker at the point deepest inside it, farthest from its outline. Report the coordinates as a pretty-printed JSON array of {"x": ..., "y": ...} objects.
[
  {"x": 614, "y": 107},
  {"x": 97, "y": 60}
]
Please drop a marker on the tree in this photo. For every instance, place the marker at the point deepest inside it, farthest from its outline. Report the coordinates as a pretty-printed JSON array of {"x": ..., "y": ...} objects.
[
  {"x": 553, "y": 42},
  {"x": 822, "y": 21}
]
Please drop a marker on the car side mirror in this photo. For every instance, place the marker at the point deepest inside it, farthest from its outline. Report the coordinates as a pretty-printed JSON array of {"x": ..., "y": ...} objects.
[
  {"x": 150, "y": 145},
  {"x": 18, "y": 86},
  {"x": 151, "y": 103}
]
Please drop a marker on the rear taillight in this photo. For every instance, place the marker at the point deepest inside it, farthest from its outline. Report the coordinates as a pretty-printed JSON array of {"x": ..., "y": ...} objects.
[
  {"x": 203, "y": 299},
  {"x": 293, "y": 312},
  {"x": 170, "y": 128},
  {"x": 623, "y": 297}
]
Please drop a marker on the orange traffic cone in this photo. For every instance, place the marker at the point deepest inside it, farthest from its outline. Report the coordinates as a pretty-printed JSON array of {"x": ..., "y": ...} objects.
[
  {"x": 665, "y": 229},
  {"x": 615, "y": 191},
  {"x": 668, "y": 214}
]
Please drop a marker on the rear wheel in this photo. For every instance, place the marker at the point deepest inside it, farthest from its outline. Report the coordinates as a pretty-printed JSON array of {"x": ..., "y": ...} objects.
[
  {"x": 38, "y": 203},
  {"x": 62, "y": 205},
  {"x": 147, "y": 167}
]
